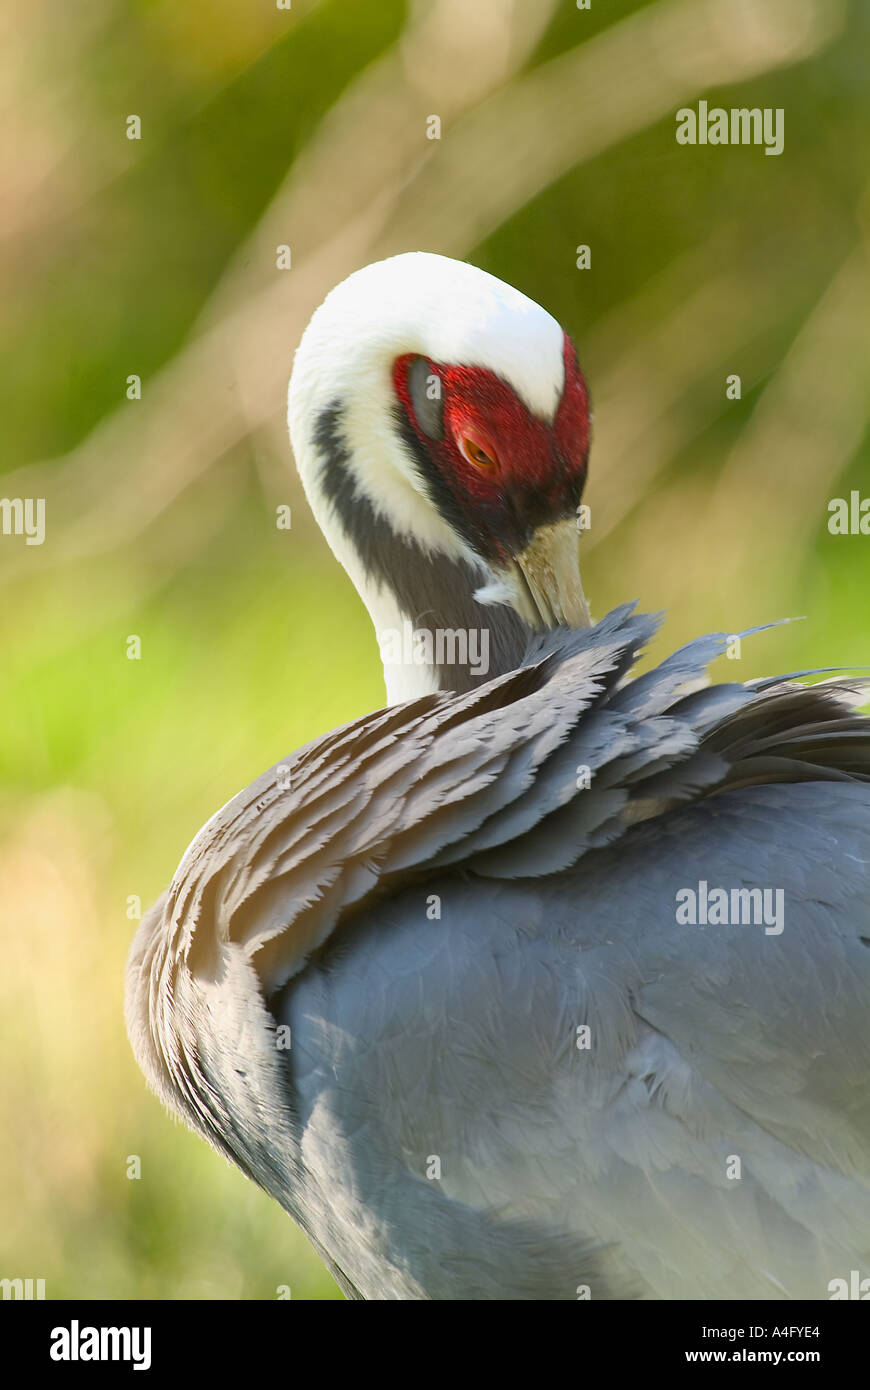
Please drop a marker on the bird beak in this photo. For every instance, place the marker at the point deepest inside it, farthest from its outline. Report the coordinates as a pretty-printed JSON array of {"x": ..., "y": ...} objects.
[{"x": 546, "y": 578}]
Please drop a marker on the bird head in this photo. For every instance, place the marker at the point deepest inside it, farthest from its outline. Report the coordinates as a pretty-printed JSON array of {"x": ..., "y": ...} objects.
[
  {"x": 441, "y": 415},
  {"x": 506, "y": 478}
]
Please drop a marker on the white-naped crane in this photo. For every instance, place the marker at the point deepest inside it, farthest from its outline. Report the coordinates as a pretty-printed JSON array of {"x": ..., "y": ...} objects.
[{"x": 543, "y": 981}]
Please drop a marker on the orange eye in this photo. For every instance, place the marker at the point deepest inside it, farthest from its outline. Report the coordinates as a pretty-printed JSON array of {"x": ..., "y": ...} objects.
[{"x": 472, "y": 451}]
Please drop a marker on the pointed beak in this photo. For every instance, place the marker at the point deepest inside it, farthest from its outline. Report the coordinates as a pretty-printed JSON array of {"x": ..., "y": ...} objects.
[{"x": 546, "y": 578}]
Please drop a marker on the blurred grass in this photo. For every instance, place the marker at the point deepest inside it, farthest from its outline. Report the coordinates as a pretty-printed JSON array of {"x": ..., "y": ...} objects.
[{"x": 120, "y": 257}]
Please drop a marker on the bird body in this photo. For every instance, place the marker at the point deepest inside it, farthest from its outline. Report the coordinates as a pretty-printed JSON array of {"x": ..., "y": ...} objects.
[{"x": 432, "y": 981}]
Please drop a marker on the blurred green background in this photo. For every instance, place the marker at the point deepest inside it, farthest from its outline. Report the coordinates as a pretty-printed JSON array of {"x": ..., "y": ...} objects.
[{"x": 306, "y": 127}]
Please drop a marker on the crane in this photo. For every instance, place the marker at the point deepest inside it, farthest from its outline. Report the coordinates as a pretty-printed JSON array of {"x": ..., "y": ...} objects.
[{"x": 546, "y": 980}]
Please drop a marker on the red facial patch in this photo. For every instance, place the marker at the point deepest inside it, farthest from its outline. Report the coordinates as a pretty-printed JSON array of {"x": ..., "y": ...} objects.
[{"x": 497, "y": 471}]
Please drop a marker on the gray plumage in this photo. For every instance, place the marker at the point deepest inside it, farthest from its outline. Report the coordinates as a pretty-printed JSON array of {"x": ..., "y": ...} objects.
[{"x": 552, "y": 816}]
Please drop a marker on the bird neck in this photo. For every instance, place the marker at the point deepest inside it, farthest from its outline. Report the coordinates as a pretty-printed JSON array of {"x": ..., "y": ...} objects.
[{"x": 432, "y": 632}]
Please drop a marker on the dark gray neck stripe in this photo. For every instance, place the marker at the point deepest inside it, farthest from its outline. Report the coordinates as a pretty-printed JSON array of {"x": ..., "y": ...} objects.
[{"x": 433, "y": 592}]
